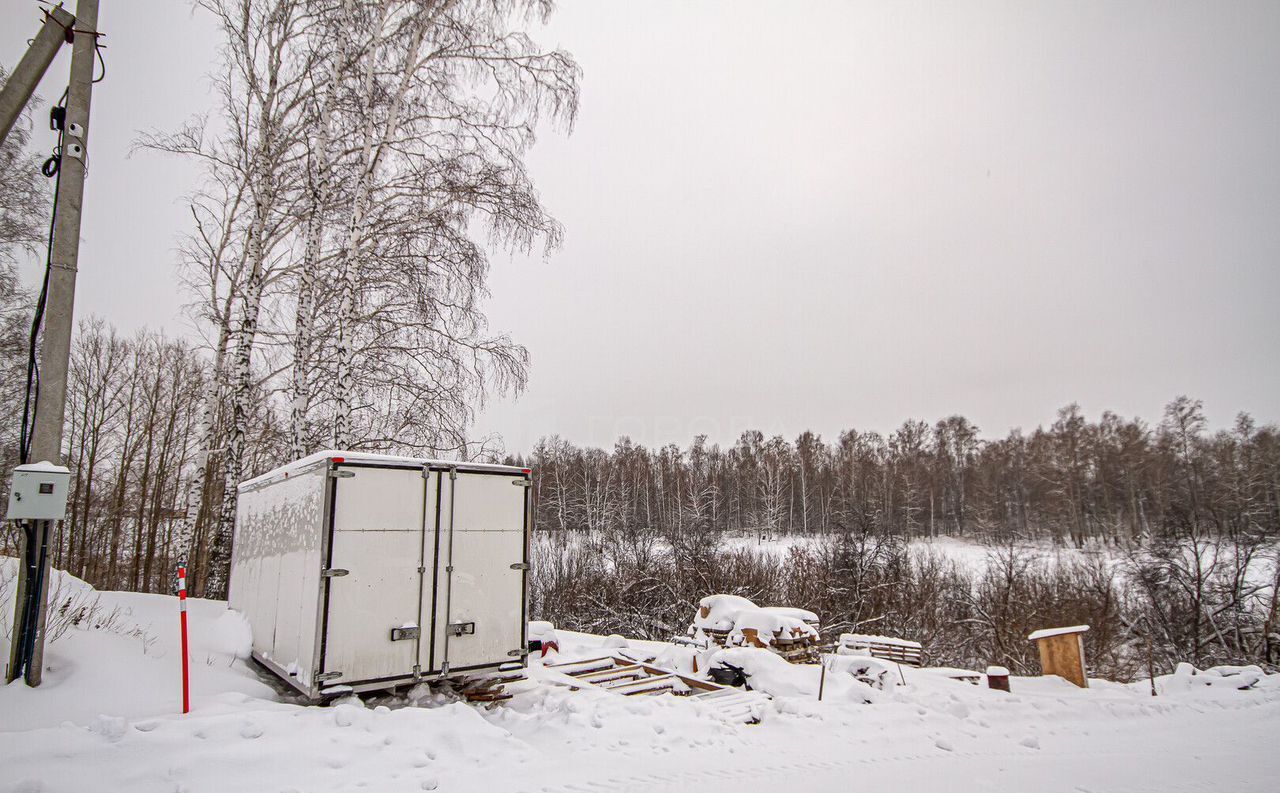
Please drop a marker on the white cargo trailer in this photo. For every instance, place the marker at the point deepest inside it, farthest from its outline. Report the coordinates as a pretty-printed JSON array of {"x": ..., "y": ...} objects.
[{"x": 360, "y": 572}]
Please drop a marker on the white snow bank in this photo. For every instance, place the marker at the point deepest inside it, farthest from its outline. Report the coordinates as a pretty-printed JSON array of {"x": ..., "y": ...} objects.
[{"x": 122, "y": 656}]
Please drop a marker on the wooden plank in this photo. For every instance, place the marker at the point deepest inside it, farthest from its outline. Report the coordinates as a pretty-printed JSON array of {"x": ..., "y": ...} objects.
[
  {"x": 632, "y": 670},
  {"x": 581, "y": 667}
]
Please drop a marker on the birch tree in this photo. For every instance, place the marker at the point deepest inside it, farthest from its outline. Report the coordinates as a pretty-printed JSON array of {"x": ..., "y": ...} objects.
[{"x": 449, "y": 95}]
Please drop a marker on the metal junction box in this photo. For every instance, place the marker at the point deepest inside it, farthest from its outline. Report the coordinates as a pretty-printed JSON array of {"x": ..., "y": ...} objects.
[
  {"x": 360, "y": 572},
  {"x": 38, "y": 492}
]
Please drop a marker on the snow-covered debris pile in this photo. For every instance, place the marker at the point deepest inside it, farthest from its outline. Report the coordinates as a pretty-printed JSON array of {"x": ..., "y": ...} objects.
[
  {"x": 718, "y": 613},
  {"x": 1186, "y": 678},
  {"x": 861, "y": 680},
  {"x": 544, "y": 633},
  {"x": 767, "y": 629},
  {"x": 733, "y": 621}
]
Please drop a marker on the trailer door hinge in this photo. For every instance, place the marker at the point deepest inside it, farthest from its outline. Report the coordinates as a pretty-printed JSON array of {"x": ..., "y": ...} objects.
[
  {"x": 398, "y": 634},
  {"x": 334, "y": 572},
  {"x": 522, "y": 482},
  {"x": 462, "y": 629},
  {"x": 518, "y": 653},
  {"x": 337, "y": 474},
  {"x": 520, "y": 566},
  {"x": 453, "y": 473},
  {"x": 328, "y": 676}
]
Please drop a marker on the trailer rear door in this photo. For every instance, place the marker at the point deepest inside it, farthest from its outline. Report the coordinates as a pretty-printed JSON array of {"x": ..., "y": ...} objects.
[
  {"x": 378, "y": 538},
  {"x": 481, "y": 565}
]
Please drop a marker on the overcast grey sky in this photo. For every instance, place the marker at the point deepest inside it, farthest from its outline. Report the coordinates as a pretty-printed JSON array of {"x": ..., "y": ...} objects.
[{"x": 830, "y": 215}]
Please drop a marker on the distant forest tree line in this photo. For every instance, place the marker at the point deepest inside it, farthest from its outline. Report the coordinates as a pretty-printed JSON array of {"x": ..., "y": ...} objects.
[
  {"x": 1113, "y": 480},
  {"x": 134, "y": 443}
]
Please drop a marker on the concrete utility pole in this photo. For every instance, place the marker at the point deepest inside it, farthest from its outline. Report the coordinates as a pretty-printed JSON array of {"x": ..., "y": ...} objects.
[
  {"x": 26, "y": 75},
  {"x": 27, "y": 655}
]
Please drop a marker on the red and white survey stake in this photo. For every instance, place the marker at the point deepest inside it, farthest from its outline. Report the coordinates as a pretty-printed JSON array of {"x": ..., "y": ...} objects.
[{"x": 182, "y": 605}]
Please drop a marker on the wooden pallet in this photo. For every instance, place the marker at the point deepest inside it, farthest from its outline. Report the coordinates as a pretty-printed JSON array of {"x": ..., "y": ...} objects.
[
  {"x": 902, "y": 651},
  {"x": 618, "y": 674}
]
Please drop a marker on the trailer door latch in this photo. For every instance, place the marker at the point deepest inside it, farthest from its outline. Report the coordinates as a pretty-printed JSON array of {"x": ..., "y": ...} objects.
[
  {"x": 334, "y": 572},
  {"x": 522, "y": 482},
  {"x": 462, "y": 628},
  {"x": 328, "y": 676},
  {"x": 520, "y": 566},
  {"x": 336, "y": 474},
  {"x": 405, "y": 632}
]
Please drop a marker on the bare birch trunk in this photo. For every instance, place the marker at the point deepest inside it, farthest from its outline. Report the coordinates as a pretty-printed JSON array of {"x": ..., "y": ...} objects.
[
  {"x": 241, "y": 392},
  {"x": 320, "y": 198}
]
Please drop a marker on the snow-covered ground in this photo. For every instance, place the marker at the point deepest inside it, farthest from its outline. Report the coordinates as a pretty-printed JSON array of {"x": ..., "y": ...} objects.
[{"x": 106, "y": 720}]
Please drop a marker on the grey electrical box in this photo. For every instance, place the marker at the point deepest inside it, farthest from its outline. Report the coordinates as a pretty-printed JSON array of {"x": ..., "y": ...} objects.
[{"x": 38, "y": 491}]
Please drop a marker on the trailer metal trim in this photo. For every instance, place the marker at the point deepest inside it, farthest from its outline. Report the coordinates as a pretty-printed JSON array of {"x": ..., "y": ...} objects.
[
  {"x": 326, "y": 553},
  {"x": 435, "y": 573}
]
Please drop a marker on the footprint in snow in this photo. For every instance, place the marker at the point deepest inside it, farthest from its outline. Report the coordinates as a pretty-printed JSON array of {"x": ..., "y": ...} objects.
[
  {"x": 944, "y": 745},
  {"x": 1031, "y": 742},
  {"x": 250, "y": 731}
]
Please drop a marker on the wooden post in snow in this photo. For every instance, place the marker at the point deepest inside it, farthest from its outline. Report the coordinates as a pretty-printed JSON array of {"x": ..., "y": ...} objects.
[{"x": 1062, "y": 653}]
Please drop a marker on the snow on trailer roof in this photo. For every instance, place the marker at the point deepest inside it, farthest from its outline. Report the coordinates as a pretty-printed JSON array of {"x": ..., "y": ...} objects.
[
  {"x": 370, "y": 457},
  {"x": 1046, "y": 633}
]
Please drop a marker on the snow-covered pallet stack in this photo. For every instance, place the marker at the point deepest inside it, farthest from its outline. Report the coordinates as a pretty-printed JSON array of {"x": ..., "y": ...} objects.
[
  {"x": 622, "y": 675},
  {"x": 733, "y": 621}
]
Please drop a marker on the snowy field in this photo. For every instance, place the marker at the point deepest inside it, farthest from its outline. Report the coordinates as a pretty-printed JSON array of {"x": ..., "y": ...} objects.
[
  {"x": 106, "y": 720},
  {"x": 974, "y": 557}
]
